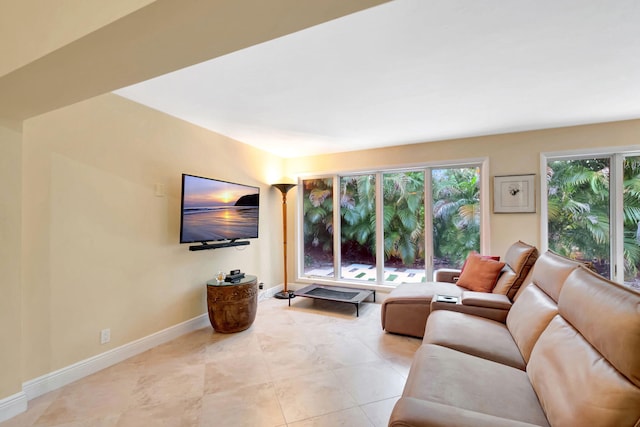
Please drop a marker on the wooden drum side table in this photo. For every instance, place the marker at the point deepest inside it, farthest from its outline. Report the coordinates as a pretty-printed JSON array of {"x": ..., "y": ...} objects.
[{"x": 232, "y": 306}]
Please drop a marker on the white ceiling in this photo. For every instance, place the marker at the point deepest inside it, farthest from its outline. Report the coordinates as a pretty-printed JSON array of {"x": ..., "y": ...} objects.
[{"x": 414, "y": 71}]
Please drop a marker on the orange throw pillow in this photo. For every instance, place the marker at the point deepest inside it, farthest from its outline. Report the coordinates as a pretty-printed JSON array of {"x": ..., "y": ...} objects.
[
  {"x": 480, "y": 274},
  {"x": 495, "y": 258}
]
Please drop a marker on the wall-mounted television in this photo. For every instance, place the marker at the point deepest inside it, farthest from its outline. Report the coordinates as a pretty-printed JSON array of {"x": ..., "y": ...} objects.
[{"x": 213, "y": 210}]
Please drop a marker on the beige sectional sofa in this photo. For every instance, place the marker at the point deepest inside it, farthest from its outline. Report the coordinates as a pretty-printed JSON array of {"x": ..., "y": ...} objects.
[
  {"x": 407, "y": 307},
  {"x": 567, "y": 354}
]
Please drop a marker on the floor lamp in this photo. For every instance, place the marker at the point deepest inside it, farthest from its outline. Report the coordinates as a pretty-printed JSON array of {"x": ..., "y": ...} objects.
[{"x": 284, "y": 188}]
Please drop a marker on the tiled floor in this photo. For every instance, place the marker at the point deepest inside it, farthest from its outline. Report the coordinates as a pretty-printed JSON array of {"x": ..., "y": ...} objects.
[{"x": 311, "y": 364}]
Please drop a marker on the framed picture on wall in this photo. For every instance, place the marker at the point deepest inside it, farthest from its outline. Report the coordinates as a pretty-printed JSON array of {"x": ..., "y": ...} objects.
[{"x": 514, "y": 194}]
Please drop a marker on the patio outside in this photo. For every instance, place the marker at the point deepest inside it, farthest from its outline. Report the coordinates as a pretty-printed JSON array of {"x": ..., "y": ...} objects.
[{"x": 366, "y": 272}]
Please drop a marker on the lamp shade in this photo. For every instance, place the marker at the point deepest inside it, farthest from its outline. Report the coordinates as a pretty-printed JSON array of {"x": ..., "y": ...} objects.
[{"x": 284, "y": 188}]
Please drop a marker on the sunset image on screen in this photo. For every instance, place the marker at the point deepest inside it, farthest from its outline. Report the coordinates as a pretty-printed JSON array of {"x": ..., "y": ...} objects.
[{"x": 218, "y": 210}]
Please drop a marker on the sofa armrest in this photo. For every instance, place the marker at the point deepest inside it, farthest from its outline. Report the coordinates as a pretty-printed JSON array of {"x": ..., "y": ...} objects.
[
  {"x": 484, "y": 299},
  {"x": 490, "y": 306},
  {"x": 422, "y": 413},
  {"x": 450, "y": 275}
]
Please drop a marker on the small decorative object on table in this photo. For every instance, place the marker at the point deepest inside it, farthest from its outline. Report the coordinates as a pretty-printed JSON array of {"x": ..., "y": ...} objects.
[
  {"x": 220, "y": 276},
  {"x": 234, "y": 276}
]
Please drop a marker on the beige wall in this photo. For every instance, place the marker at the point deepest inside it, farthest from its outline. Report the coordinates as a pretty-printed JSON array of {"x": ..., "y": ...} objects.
[
  {"x": 10, "y": 291},
  {"x": 98, "y": 248},
  {"x": 30, "y": 29},
  {"x": 515, "y": 153},
  {"x": 101, "y": 249}
]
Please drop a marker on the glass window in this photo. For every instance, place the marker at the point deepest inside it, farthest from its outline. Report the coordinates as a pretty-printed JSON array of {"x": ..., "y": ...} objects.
[
  {"x": 578, "y": 210},
  {"x": 456, "y": 215},
  {"x": 631, "y": 218},
  {"x": 389, "y": 230},
  {"x": 318, "y": 226},
  {"x": 403, "y": 227},
  {"x": 358, "y": 227}
]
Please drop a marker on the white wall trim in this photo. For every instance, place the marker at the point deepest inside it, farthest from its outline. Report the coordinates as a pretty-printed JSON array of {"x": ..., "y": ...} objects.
[
  {"x": 17, "y": 403},
  {"x": 13, "y": 405},
  {"x": 544, "y": 215},
  {"x": 486, "y": 202},
  {"x": 582, "y": 153},
  {"x": 56, "y": 379},
  {"x": 270, "y": 292}
]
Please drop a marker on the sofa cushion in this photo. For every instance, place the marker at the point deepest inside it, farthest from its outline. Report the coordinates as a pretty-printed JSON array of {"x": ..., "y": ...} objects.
[
  {"x": 551, "y": 271},
  {"x": 488, "y": 311},
  {"x": 537, "y": 302},
  {"x": 407, "y": 307},
  {"x": 480, "y": 273},
  {"x": 576, "y": 385},
  {"x": 505, "y": 280},
  {"x": 416, "y": 412},
  {"x": 529, "y": 316},
  {"x": 587, "y": 296},
  {"x": 520, "y": 258},
  {"x": 483, "y": 299},
  {"x": 473, "y": 335},
  {"x": 446, "y": 376}
]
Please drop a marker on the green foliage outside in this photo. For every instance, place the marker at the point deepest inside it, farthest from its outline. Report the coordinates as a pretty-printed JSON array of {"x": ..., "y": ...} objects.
[
  {"x": 403, "y": 218},
  {"x": 358, "y": 218},
  {"x": 318, "y": 220},
  {"x": 456, "y": 217},
  {"x": 631, "y": 217},
  {"x": 579, "y": 212}
]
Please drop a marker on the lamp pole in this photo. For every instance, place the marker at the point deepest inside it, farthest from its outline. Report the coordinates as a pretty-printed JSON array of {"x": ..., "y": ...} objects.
[{"x": 284, "y": 188}]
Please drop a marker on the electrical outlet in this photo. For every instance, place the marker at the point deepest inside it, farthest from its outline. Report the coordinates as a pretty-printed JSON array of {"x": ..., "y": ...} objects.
[{"x": 105, "y": 336}]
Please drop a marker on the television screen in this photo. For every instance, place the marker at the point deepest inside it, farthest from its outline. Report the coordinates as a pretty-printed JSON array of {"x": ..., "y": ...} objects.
[{"x": 214, "y": 210}]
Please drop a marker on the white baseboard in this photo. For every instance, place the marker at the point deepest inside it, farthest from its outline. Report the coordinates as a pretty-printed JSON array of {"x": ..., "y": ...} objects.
[
  {"x": 269, "y": 293},
  {"x": 17, "y": 403},
  {"x": 13, "y": 405},
  {"x": 56, "y": 379}
]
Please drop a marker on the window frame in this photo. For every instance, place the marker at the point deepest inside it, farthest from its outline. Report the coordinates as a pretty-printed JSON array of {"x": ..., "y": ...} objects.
[
  {"x": 482, "y": 163},
  {"x": 616, "y": 157}
]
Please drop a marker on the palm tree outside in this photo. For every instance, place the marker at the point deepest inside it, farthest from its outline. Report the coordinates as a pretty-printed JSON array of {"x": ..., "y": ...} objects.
[
  {"x": 578, "y": 206},
  {"x": 455, "y": 216}
]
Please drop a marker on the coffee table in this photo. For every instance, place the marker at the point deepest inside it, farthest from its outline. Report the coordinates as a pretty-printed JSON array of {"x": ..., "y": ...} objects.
[{"x": 334, "y": 293}]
